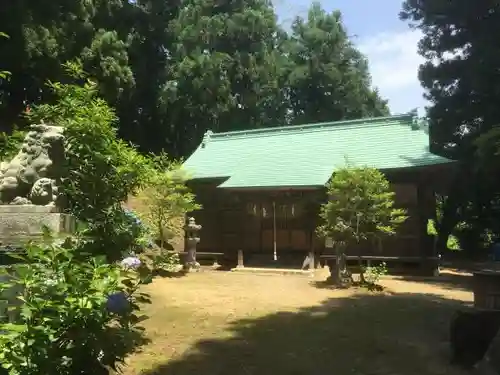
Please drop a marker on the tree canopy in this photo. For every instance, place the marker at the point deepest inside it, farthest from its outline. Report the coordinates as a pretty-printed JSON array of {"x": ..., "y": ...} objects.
[
  {"x": 461, "y": 81},
  {"x": 460, "y": 74},
  {"x": 360, "y": 207},
  {"x": 172, "y": 70},
  {"x": 329, "y": 78}
]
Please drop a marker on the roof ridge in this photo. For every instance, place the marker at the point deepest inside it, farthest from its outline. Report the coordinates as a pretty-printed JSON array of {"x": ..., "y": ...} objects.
[{"x": 363, "y": 121}]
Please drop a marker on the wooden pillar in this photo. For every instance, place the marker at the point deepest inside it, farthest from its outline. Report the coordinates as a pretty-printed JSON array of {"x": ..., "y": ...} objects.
[
  {"x": 220, "y": 224},
  {"x": 261, "y": 224},
  {"x": 275, "y": 251}
]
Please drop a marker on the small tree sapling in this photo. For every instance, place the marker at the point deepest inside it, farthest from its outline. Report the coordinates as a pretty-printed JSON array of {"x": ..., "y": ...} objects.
[{"x": 360, "y": 207}]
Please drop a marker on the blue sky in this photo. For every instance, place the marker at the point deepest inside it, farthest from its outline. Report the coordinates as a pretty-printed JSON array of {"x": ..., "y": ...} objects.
[{"x": 391, "y": 47}]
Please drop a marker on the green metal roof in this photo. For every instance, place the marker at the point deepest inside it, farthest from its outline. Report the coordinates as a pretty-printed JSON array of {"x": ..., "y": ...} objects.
[{"x": 307, "y": 155}]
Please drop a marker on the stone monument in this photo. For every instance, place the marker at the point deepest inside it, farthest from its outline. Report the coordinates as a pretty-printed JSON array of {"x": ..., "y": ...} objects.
[
  {"x": 191, "y": 229},
  {"x": 29, "y": 188},
  {"x": 30, "y": 200}
]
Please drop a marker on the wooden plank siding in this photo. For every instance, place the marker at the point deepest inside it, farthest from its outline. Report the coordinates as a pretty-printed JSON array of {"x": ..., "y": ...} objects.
[{"x": 235, "y": 220}]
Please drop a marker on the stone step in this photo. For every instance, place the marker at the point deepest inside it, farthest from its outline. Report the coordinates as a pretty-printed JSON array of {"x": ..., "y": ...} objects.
[{"x": 273, "y": 271}]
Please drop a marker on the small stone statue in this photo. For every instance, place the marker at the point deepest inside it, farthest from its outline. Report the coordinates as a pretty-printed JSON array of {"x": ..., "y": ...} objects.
[
  {"x": 31, "y": 177},
  {"x": 192, "y": 239}
]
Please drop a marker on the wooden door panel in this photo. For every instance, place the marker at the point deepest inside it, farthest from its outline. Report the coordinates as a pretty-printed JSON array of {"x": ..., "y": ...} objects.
[
  {"x": 282, "y": 239},
  {"x": 251, "y": 240},
  {"x": 267, "y": 239},
  {"x": 300, "y": 240},
  {"x": 230, "y": 242}
]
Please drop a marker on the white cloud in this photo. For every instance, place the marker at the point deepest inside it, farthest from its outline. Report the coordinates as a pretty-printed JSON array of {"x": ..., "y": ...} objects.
[{"x": 394, "y": 63}]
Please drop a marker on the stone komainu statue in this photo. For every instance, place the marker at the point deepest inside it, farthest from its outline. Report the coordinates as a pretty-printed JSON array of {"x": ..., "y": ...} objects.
[{"x": 33, "y": 175}]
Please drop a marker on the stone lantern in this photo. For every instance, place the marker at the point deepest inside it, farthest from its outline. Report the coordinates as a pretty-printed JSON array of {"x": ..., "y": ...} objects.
[{"x": 191, "y": 229}]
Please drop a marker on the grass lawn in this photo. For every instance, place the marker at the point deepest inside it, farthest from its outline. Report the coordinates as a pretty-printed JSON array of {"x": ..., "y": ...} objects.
[{"x": 222, "y": 323}]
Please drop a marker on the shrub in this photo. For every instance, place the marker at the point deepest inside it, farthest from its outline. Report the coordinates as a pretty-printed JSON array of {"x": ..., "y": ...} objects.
[
  {"x": 166, "y": 199},
  {"x": 75, "y": 317},
  {"x": 10, "y": 144},
  {"x": 164, "y": 260},
  {"x": 373, "y": 274}
]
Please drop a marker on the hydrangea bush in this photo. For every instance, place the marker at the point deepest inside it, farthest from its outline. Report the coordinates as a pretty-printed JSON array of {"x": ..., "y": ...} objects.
[
  {"x": 138, "y": 229},
  {"x": 74, "y": 316}
]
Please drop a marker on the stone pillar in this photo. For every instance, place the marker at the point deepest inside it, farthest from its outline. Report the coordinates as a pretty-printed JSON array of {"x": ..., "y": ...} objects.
[
  {"x": 192, "y": 239},
  {"x": 312, "y": 261},
  {"x": 240, "y": 259},
  {"x": 309, "y": 262}
]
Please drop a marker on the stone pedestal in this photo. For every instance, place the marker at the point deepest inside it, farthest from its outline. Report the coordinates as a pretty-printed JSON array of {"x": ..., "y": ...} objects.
[
  {"x": 18, "y": 225},
  {"x": 486, "y": 288},
  {"x": 22, "y": 223}
]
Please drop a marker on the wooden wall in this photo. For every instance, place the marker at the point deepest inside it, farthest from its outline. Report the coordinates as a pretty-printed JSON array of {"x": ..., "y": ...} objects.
[{"x": 234, "y": 220}]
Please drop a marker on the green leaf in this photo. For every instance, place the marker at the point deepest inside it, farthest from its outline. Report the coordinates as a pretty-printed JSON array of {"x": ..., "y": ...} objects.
[{"x": 17, "y": 328}]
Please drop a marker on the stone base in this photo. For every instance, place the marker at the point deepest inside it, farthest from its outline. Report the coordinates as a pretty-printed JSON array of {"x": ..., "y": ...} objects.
[
  {"x": 486, "y": 288},
  {"x": 192, "y": 267},
  {"x": 273, "y": 271},
  {"x": 21, "y": 223}
]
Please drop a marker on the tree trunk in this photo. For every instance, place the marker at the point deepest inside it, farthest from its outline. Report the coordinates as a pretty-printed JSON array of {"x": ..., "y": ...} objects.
[
  {"x": 361, "y": 272},
  {"x": 339, "y": 273}
]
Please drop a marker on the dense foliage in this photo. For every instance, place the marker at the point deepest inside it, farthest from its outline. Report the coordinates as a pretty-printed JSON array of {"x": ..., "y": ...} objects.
[
  {"x": 100, "y": 170},
  {"x": 76, "y": 306},
  {"x": 174, "y": 69},
  {"x": 460, "y": 71},
  {"x": 4, "y": 74},
  {"x": 360, "y": 207},
  {"x": 460, "y": 78},
  {"x": 73, "y": 316},
  {"x": 162, "y": 205},
  {"x": 10, "y": 144},
  {"x": 329, "y": 78},
  {"x": 165, "y": 199}
]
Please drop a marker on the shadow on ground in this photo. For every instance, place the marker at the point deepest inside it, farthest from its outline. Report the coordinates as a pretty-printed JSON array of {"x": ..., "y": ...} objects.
[
  {"x": 447, "y": 280},
  {"x": 400, "y": 334}
]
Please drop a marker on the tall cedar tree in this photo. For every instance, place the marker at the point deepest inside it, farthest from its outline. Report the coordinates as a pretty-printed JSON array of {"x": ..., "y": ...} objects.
[
  {"x": 123, "y": 44},
  {"x": 45, "y": 35},
  {"x": 461, "y": 80},
  {"x": 460, "y": 74},
  {"x": 329, "y": 78},
  {"x": 174, "y": 69},
  {"x": 227, "y": 69}
]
